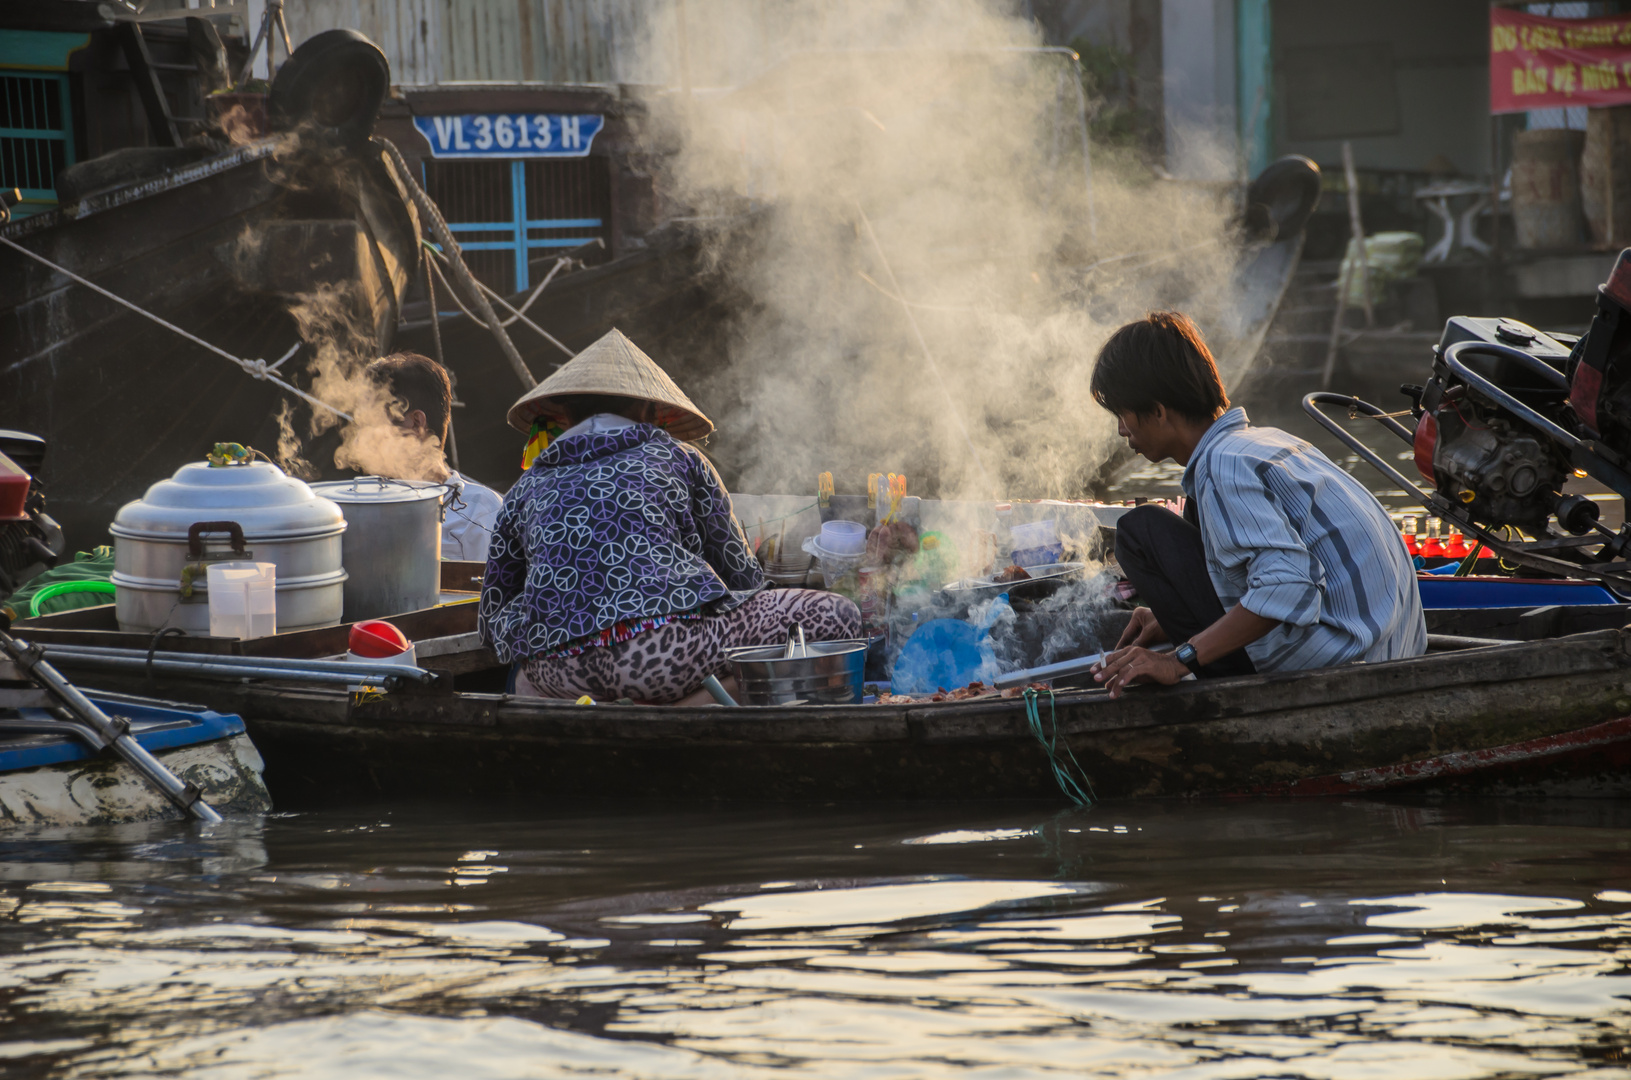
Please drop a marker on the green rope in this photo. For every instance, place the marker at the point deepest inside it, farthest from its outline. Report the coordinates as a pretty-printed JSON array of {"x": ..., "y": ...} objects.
[{"x": 1053, "y": 744}]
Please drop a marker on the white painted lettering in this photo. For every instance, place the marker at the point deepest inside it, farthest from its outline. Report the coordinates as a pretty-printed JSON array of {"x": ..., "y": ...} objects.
[
  {"x": 458, "y": 134},
  {"x": 570, "y": 139},
  {"x": 444, "y": 130},
  {"x": 541, "y": 133}
]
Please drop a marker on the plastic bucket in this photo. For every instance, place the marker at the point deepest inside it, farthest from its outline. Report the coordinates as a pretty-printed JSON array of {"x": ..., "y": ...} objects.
[{"x": 243, "y": 600}]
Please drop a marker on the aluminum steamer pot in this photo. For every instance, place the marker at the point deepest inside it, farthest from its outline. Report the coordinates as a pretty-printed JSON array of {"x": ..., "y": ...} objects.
[
  {"x": 830, "y": 674},
  {"x": 164, "y": 541},
  {"x": 393, "y": 545}
]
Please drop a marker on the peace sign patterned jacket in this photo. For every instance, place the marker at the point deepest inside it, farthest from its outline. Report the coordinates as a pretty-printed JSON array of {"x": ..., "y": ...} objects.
[{"x": 607, "y": 528}]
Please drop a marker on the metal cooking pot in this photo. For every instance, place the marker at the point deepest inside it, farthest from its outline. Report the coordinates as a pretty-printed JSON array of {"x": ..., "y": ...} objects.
[
  {"x": 393, "y": 545},
  {"x": 164, "y": 542},
  {"x": 830, "y": 673}
]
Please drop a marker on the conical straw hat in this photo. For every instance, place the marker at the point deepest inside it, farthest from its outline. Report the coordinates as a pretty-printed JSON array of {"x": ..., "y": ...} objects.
[{"x": 614, "y": 365}]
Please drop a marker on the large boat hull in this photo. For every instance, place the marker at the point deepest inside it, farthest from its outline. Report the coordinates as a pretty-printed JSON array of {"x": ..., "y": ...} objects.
[{"x": 227, "y": 250}]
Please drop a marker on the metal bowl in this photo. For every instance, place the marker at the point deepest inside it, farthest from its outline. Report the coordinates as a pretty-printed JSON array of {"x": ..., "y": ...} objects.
[{"x": 830, "y": 674}]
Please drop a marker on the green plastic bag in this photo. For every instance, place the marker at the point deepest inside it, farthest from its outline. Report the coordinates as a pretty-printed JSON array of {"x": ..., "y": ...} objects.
[
  {"x": 94, "y": 565},
  {"x": 1393, "y": 257}
]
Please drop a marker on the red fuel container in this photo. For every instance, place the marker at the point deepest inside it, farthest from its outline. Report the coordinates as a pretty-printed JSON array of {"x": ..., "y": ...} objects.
[{"x": 13, "y": 490}]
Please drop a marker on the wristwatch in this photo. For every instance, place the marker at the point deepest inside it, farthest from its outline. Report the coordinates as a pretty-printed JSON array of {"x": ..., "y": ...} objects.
[{"x": 1186, "y": 655}]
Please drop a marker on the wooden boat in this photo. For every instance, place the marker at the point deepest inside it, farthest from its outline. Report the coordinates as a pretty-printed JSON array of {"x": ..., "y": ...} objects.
[
  {"x": 225, "y": 246},
  {"x": 48, "y": 778},
  {"x": 1549, "y": 716},
  {"x": 665, "y": 295}
]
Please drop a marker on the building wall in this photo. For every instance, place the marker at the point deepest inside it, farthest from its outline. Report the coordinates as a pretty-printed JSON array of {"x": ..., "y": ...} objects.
[
  {"x": 1404, "y": 81},
  {"x": 561, "y": 42},
  {"x": 1198, "y": 88}
]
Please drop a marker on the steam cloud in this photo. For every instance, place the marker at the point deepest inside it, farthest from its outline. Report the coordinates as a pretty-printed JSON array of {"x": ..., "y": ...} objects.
[{"x": 940, "y": 130}]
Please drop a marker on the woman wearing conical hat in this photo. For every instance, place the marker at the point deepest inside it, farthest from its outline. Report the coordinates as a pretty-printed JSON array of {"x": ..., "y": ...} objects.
[{"x": 616, "y": 567}]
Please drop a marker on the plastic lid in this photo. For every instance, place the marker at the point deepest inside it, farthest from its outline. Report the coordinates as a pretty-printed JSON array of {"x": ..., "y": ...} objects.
[{"x": 377, "y": 639}]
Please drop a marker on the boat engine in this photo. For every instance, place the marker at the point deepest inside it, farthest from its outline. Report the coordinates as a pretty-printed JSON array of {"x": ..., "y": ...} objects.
[
  {"x": 1507, "y": 416},
  {"x": 1476, "y": 451},
  {"x": 30, "y": 541}
]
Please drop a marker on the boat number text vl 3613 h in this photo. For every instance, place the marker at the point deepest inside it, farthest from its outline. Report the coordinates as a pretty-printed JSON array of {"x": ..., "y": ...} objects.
[{"x": 510, "y": 135}]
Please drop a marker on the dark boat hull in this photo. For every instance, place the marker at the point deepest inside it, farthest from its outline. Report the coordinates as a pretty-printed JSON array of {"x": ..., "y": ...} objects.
[
  {"x": 663, "y": 296},
  {"x": 1550, "y": 717},
  {"x": 221, "y": 249}
]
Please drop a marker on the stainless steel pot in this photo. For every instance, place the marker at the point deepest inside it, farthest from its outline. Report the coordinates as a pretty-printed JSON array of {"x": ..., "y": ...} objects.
[
  {"x": 393, "y": 544},
  {"x": 164, "y": 541},
  {"x": 830, "y": 673}
]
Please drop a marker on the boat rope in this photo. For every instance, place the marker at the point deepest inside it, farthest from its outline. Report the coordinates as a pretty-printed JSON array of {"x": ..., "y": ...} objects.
[
  {"x": 257, "y": 369},
  {"x": 520, "y": 314},
  {"x": 444, "y": 236},
  {"x": 1053, "y": 744}
]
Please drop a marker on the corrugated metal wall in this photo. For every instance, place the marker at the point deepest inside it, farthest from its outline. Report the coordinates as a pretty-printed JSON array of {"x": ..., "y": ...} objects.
[
  {"x": 409, "y": 31},
  {"x": 544, "y": 41}
]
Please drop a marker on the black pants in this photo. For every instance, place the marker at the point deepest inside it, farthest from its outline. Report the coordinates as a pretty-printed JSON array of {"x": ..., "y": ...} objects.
[{"x": 1163, "y": 557}]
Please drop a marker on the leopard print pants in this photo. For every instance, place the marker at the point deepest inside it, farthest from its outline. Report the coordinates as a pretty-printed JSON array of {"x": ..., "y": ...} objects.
[{"x": 670, "y": 661}]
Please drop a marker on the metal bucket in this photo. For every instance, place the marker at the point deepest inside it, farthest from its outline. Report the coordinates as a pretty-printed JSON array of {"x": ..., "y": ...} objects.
[
  {"x": 830, "y": 674},
  {"x": 393, "y": 544}
]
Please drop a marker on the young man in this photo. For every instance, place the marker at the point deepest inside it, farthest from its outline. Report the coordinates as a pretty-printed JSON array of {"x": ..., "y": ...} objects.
[
  {"x": 423, "y": 406},
  {"x": 1281, "y": 562}
]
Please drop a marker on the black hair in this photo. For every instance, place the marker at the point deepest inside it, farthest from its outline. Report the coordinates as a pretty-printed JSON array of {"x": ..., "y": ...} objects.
[
  {"x": 580, "y": 407},
  {"x": 1159, "y": 360},
  {"x": 417, "y": 382}
]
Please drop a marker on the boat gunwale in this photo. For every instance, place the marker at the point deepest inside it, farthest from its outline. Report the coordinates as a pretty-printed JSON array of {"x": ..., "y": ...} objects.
[
  {"x": 1080, "y": 713},
  {"x": 122, "y": 195}
]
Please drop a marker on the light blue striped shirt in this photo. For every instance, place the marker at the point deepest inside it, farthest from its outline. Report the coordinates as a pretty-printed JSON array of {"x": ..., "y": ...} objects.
[{"x": 1293, "y": 538}]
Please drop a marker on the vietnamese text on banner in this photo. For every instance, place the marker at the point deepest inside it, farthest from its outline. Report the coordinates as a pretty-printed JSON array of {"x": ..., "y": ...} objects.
[{"x": 1541, "y": 63}]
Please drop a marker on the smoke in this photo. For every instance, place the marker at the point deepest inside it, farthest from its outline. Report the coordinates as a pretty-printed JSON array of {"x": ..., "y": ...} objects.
[
  {"x": 334, "y": 320},
  {"x": 926, "y": 263}
]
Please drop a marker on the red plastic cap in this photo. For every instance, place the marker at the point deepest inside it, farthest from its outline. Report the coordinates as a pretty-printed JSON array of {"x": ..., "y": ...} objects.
[{"x": 377, "y": 640}]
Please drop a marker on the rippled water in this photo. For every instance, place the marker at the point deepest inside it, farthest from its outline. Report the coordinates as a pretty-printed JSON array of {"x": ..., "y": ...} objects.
[{"x": 1340, "y": 940}]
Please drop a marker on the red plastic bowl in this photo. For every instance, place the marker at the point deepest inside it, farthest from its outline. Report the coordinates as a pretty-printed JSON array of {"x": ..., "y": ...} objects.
[{"x": 377, "y": 640}]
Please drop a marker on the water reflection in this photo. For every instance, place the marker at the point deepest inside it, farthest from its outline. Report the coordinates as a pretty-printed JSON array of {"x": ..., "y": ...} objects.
[{"x": 1324, "y": 940}]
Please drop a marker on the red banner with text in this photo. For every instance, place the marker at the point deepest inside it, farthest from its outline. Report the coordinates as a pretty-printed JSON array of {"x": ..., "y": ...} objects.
[{"x": 1541, "y": 63}]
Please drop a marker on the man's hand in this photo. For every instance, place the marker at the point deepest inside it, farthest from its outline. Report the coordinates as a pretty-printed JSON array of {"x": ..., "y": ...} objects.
[
  {"x": 1142, "y": 629},
  {"x": 1136, "y": 664}
]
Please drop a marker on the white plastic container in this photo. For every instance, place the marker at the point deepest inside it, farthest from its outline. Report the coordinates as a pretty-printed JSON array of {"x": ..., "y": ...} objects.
[
  {"x": 843, "y": 537},
  {"x": 243, "y": 600},
  {"x": 834, "y": 565}
]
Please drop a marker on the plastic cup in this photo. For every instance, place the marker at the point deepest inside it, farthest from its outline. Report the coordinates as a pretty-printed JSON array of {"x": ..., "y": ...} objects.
[{"x": 243, "y": 599}]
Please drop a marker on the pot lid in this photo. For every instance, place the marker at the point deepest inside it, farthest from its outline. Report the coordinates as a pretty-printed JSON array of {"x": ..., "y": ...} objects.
[
  {"x": 379, "y": 489},
  {"x": 263, "y": 500}
]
